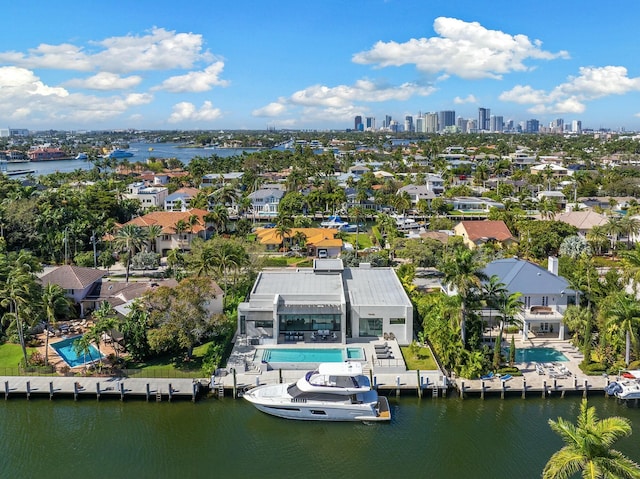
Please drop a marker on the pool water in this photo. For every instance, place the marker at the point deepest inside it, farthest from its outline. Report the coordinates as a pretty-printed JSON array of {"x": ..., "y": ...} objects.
[
  {"x": 67, "y": 352},
  {"x": 539, "y": 355},
  {"x": 310, "y": 355}
]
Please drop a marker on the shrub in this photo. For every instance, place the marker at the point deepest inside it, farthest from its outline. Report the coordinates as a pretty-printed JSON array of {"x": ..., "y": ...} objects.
[
  {"x": 274, "y": 262},
  {"x": 593, "y": 369}
]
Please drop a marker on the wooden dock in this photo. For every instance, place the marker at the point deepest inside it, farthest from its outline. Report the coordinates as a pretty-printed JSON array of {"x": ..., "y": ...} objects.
[{"x": 156, "y": 389}]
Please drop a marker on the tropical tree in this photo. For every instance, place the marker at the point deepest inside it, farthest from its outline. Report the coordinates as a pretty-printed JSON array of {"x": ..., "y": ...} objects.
[
  {"x": 630, "y": 226},
  {"x": 598, "y": 238},
  {"x": 508, "y": 305},
  {"x": 56, "y": 304},
  {"x": 624, "y": 316},
  {"x": 152, "y": 233},
  {"x": 588, "y": 448},
  {"x": 463, "y": 275},
  {"x": 356, "y": 213},
  {"x": 283, "y": 230},
  {"x": 129, "y": 239}
]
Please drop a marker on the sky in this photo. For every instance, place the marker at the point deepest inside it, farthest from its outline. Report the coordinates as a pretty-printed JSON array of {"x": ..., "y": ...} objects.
[{"x": 314, "y": 65}]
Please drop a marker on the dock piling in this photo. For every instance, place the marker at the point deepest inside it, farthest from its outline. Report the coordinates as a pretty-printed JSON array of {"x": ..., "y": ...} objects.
[
  {"x": 6, "y": 390},
  {"x": 121, "y": 391},
  {"x": 461, "y": 389},
  {"x": 397, "y": 386},
  {"x": 419, "y": 384},
  {"x": 28, "y": 389},
  {"x": 98, "y": 391},
  {"x": 544, "y": 388},
  {"x": 586, "y": 387},
  {"x": 75, "y": 391},
  {"x": 50, "y": 390},
  {"x": 482, "y": 387},
  {"x": 524, "y": 388},
  {"x": 170, "y": 392},
  {"x": 235, "y": 384},
  {"x": 147, "y": 391}
]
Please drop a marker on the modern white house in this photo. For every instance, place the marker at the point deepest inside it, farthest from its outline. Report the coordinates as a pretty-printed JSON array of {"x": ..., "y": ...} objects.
[
  {"x": 361, "y": 302},
  {"x": 149, "y": 196}
]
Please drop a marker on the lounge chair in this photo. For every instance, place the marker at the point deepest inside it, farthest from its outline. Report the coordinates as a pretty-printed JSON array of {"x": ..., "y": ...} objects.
[
  {"x": 506, "y": 378},
  {"x": 488, "y": 377},
  {"x": 384, "y": 355}
]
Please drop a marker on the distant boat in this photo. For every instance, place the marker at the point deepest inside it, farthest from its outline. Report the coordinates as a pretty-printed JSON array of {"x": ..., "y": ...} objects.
[
  {"x": 118, "y": 153},
  {"x": 82, "y": 156},
  {"x": 334, "y": 222}
]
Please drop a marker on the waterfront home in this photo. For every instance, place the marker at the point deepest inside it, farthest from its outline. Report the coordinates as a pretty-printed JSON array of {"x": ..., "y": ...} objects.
[
  {"x": 469, "y": 204},
  {"x": 326, "y": 303},
  {"x": 179, "y": 200},
  {"x": 216, "y": 180},
  {"x": 476, "y": 233},
  {"x": 417, "y": 193},
  {"x": 321, "y": 242},
  {"x": 77, "y": 281},
  {"x": 545, "y": 295},
  {"x": 265, "y": 201},
  {"x": 47, "y": 154},
  {"x": 149, "y": 196},
  {"x": 179, "y": 228}
]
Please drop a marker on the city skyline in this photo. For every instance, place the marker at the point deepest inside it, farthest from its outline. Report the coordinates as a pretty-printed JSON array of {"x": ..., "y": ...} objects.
[{"x": 206, "y": 65}]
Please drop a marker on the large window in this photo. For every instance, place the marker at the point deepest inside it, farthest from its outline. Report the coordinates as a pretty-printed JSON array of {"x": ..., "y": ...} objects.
[
  {"x": 396, "y": 321},
  {"x": 309, "y": 322},
  {"x": 370, "y": 327}
]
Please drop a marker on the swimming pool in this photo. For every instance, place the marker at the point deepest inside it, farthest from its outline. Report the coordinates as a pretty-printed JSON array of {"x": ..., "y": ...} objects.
[
  {"x": 538, "y": 355},
  {"x": 311, "y": 355},
  {"x": 67, "y": 352}
]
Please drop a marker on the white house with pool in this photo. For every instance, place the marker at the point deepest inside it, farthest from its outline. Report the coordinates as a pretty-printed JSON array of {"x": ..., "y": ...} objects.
[{"x": 326, "y": 304}]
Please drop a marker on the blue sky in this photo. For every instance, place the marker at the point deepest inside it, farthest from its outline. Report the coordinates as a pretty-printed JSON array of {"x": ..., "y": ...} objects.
[{"x": 206, "y": 64}]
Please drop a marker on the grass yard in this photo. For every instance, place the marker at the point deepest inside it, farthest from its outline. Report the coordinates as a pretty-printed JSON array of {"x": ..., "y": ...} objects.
[
  {"x": 170, "y": 367},
  {"x": 418, "y": 358},
  {"x": 364, "y": 240},
  {"x": 11, "y": 355}
]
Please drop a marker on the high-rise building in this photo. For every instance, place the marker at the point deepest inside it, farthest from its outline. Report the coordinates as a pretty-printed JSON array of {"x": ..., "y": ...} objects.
[
  {"x": 484, "y": 115},
  {"x": 408, "y": 123},
  {"x": 431, "y": 120},
  {"x": 387, "y": 122},
  {"x": 576, "y": 126},
  {"x": 421, "y": 125},
  {"x": 462, "y": 124},
  {"x": 496, "y": 123},
  {"x": 371, "y": 123},
  {"x": 532, "y": 126},
  {"x": 446, "y": 118},
  {"x": 358, "y": 126}
]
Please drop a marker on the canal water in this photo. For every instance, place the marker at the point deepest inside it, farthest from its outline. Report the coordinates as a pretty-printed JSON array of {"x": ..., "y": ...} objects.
[{"x": 435, "y": 438}]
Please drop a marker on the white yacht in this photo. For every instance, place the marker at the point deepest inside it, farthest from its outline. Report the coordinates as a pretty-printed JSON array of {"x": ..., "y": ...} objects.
[{"x": 333, "y": 392}]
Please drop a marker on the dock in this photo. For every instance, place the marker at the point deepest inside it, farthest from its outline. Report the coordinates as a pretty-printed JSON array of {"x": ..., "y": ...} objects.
[{"x": 156, "y": 389}]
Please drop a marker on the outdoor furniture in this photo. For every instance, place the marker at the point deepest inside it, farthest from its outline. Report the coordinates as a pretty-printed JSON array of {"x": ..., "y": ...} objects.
[
  {"x": 506, "y": 377},
  {"x": 488, "y": 377}
]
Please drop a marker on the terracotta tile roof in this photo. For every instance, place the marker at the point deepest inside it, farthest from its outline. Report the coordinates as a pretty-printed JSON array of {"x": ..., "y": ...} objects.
[
  {"x": 323, "y": 237},
  {"x": 72, "y": 277},
  {"x": 583, "y": 220},
  {"x": 168, "y": 219},
  {"x": 495, "y": 229}
]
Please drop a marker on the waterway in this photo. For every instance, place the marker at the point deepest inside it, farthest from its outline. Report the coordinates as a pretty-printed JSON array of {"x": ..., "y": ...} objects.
[
  {"x": 141, "y": 153},
  {"x": 435, "y": 438}
]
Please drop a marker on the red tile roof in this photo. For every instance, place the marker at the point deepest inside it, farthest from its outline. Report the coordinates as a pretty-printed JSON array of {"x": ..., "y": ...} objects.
[{"x": 494, "y": 229}]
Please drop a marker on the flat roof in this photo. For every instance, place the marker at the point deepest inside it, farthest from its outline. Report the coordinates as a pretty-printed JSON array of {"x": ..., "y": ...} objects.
[
  {"x": 298, "y": 282},
  {"x": 375, "y": 287}
]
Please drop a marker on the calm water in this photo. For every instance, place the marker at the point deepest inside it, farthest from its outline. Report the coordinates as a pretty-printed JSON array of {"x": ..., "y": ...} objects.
[
  {"x": 141, "y": 153},
  {"x": 441, "y": 438}
]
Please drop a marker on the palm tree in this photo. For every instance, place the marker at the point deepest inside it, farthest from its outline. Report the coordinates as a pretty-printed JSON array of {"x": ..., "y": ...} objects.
[
  {"x": 614, "y": 228},
  {"x": 631, "y": 265},
  {"x": 129, "y": 238},
  {"x": 180, "y": 227},
  {"x": 508, "y": 305},
  {"x": 492, "y": 290},
  {"x": 356, "y": 213},
  {"x": 598, "y": 237},
  {"x": 588, "y": 448},
  {"x": 463, "y": 273},
  {"x": 152, "y": 233},
  {"x": 283, "y": 230},
  {"x": 630, "y": 226},
  {"x": 56, "y": 303},
  {"x": 624, "y": 315}
]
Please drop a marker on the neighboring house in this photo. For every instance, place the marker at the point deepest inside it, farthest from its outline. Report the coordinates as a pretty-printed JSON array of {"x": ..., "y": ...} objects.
[
  {"x": 435, "y": 183},
  {"x": 319, "y": 241},
  {"x": 476, "y": 233},
  {"x": 367, "y": 203},
  {"x": 149, "y": 196},
  {"x": 359, "y": 169},
  {"x": 307, "y": 300},
  {"x": 264, "y": 202},
  {"x": 170, "y": 238},
  {"x": 179, "y": 200},
  {"x": 556, "y": 196},
  {"x": 554, "y": 170},
  {"x": 583, "y": 220},
  {"x": 545, "y": 295},
  {"x": 469, "y": 204},
  {"x": 216, "y": 180},
  {"x": 47, "y": 154},
  {"x": 77, "y": 281},
  {"x": 417, "y": 193}
]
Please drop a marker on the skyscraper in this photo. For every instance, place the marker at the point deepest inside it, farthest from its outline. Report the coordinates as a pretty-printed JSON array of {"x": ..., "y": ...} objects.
[
  {"x": 358, "y": 126},
  {"x": 576, "y": 126},
  {"x": 446, "y": 118},
  {"x": 496, "y": 123},
  {"x": 387, "y": 122},
  {"x": 371, "y": 123},
  {"x": 408, "y": 123},
  {"x": 431, "y": 120},
  {"x": 484, "y": 115}
]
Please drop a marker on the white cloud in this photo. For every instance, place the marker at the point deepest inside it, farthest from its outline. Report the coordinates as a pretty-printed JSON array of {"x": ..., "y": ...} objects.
[
  {"x": 158, "y": 50},
  {"x": 271, "y": 110},
  {"x": 105, "y": 81},
  {"x": 195, "y": 82},
  {"x": 464, "y": 49},
  {"x": 24, "y": 95},
  {"x": 461, "y": 101},
  {"x": 570, "y": 97},
  {"x": 185, "y": 111}
]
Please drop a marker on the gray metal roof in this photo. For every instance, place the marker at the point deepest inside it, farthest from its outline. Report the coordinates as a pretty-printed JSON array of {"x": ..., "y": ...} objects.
[
  {"x": 290, "y": 283},
  {"x": 525, "y": 277},
  {"x": 375, "y": 287}
]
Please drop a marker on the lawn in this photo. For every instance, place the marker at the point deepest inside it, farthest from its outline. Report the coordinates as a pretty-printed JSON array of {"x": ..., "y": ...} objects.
[
  {"x": 170, "y": 367},
  {"x": 10, "y": 357},
  {"x": 418, "y": 358},
  {"x": 364, "y": 240}
]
